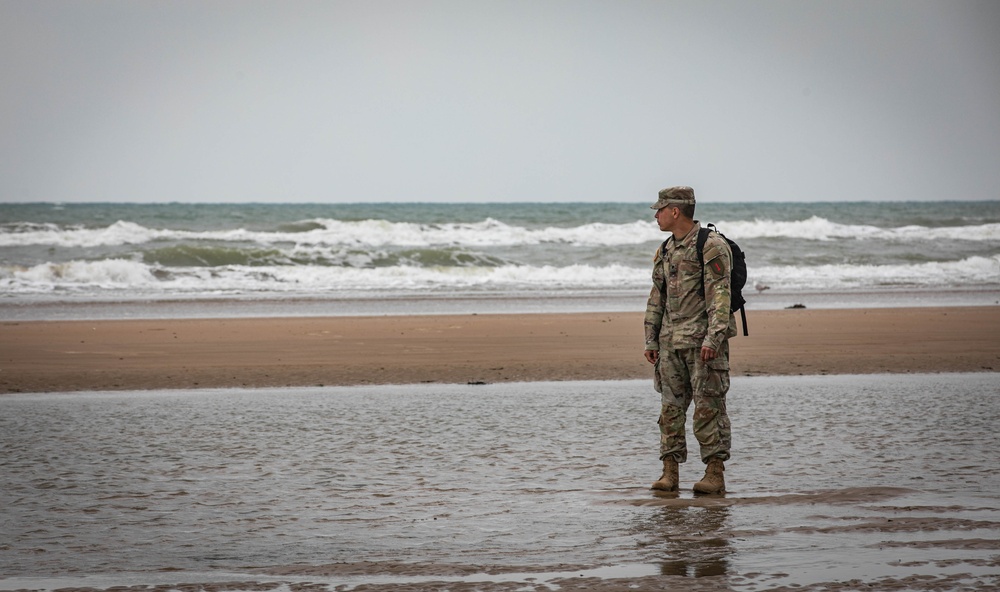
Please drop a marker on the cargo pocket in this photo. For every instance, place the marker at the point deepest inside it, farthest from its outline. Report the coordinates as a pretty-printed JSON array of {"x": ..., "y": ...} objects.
[
  {"x": 717, "y": 377},
  {"x": 719, "y": 363}
]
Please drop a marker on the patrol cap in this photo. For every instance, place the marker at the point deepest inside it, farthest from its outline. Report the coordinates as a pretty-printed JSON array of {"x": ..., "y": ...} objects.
[{"x": 678, "y": 196}]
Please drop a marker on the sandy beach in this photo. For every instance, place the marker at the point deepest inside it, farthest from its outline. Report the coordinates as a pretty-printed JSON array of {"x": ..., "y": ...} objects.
[
  {"x": 59, "y": 356},
  {"x": 263, "y": 487}
]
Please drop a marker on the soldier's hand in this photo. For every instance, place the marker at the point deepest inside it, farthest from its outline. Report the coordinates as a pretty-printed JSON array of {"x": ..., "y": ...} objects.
[
  {"x": 652, "y": 356},
  {"x": 708, "y": 354}
]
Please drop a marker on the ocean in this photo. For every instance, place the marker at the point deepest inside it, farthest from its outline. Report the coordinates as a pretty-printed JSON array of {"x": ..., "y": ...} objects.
[{"x": 178, "y": 259}]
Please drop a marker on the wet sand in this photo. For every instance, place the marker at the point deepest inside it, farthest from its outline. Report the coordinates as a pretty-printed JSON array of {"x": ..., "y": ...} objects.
[
  {"x": 851, "y": 482},
  {"x": 57, "y": 356}
]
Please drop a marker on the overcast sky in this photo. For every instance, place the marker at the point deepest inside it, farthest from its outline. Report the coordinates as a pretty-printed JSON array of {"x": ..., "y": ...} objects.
[{"x": 480, "y": 100}]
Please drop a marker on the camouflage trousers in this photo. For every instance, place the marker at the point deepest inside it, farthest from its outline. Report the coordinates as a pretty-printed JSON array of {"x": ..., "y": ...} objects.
[{"x": 681, "y": 377}]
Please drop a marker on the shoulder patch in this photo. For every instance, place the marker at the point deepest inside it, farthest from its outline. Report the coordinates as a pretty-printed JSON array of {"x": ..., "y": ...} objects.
[{"x": 717, "y": 266}]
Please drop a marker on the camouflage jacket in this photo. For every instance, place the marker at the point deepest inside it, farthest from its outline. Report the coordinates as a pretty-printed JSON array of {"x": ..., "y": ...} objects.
[{"x": 678, "y": 314}]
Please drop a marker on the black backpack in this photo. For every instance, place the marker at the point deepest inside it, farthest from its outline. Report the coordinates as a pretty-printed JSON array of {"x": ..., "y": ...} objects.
[{"x": 738, "y": 278}]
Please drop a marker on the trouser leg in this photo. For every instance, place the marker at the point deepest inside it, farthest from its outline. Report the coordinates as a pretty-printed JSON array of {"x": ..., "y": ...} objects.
[
  {"x": 675, "y": 398},
  {"x": 710, "y": 383},
  {"x": 683, "y": 378}
]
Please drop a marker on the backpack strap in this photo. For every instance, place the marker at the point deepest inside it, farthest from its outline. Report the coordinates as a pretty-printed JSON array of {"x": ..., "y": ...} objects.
[
  {"x": 663, "y": 256},
  {"x": 699, "y": 245},
  {"x": 743, "y": 317}
]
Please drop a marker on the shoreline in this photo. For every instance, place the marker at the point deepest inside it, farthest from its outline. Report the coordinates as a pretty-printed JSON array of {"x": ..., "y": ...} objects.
[
  {"x": 65, "y": 356},
  {"x": 462, "y": 303}
]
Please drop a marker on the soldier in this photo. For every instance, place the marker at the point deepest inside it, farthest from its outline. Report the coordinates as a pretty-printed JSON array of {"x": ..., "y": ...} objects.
[{"x": 688, "y": 324}]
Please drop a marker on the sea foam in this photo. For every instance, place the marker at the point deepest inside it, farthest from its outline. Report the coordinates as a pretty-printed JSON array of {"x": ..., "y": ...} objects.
[
  {"x": 489, "y": 232},
  {"x": 123, "y": 276}
]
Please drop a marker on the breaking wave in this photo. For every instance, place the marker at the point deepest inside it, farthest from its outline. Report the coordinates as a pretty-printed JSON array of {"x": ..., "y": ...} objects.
[
  {"x": 489, "y": 232},
  {"x": 129, "y": 278}
]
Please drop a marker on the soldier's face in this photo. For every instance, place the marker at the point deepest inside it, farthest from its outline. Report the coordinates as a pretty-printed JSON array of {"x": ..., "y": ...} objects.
[{"x": 665, "y": 218}]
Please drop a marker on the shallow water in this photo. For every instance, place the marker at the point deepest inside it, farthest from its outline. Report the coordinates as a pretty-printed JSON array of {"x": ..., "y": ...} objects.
[{"x": 834, "y": 479}]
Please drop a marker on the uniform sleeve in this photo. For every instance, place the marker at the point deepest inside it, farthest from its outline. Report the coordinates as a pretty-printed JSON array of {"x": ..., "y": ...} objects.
[
  {"x": 654, "y": 310},
  {"x": 718, "y": 266}
]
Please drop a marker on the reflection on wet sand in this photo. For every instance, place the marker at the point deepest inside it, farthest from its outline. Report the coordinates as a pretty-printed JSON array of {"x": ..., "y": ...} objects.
[
  {"x": 501, "y": 487},
  {"x": 693, "y": 540}
]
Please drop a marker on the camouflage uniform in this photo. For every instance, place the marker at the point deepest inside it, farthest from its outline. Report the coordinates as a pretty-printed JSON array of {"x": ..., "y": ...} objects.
[{"x": 680, "y": 320}]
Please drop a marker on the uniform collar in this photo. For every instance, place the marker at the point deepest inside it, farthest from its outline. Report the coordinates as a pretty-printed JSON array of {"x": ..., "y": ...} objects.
[{"x": 689, "y": 238}]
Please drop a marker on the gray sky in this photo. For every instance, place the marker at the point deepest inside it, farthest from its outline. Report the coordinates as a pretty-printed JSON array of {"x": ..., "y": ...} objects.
[{"x": 478, "y": 100}]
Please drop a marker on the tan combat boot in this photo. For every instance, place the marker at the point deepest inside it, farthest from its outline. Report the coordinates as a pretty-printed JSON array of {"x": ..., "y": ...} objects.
[
  {"x": 668, "y": 480},
  {"x": 713, "y": 481}
]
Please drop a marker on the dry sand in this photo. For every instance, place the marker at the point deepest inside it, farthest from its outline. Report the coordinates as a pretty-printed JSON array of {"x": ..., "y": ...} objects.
[{"x": 55, "y": 356}]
